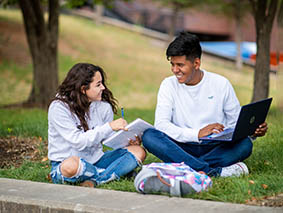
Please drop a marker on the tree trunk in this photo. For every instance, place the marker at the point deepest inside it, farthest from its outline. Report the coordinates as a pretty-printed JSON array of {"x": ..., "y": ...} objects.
[
  {"x": 42, "y": 39},
  {"x": 238, "y": 39},
  {"x": 264, "y": 14},
  {"x": 98, "y": 14},
  {"x": 173, "y": 23},
  {"x": 280, "y": 33},
  {"x": 261, "y": 74}
]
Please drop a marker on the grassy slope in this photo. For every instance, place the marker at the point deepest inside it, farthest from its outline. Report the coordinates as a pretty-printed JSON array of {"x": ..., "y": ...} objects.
[{"x": 135, "y": 66}]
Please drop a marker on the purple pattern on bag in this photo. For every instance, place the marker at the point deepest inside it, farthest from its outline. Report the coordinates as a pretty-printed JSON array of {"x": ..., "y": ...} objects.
[{"x": 181, "y": 172}]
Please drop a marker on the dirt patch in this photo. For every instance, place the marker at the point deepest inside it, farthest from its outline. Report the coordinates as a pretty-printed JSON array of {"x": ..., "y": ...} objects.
[
  {"x": 65, "y": 48},
  {"x": 13, "y": 43},
  {"x": 14, "y": 46},
  {"x": 14, "y": 150},
  {"x": 271, "y": 201}
]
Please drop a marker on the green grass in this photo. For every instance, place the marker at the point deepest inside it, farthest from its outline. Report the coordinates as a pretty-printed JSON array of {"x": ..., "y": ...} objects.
[
  {"x": 265, "y": 165},
  {"x": 37, "y": 171},
  {"x": 15, "y": 82},
  {"x": 135, "y": 67},
  {"x": 23, "y": 122}
]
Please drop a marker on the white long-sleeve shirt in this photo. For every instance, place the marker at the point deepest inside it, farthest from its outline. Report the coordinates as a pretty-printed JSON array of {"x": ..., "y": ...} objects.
[
  {"x": 183, "y": 110},
  {"x": 66, "y": 138}
]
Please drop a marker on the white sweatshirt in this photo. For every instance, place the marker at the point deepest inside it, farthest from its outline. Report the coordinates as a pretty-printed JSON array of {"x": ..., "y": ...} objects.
[
  {"x": 183, "y": 110},
  {"x": 66, "y": 138}
]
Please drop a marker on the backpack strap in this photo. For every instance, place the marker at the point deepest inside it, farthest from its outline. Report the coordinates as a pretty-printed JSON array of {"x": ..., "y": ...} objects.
[
  {"x": 174, "y": 185},
  {"x": 162, "y": 180},
  {"x": 159, "y": 179}
]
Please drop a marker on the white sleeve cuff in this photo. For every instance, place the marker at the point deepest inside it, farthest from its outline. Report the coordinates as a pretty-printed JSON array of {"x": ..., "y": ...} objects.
[
  {"x": 108, "y": 129},
  {"x": 191, "y": 135}
]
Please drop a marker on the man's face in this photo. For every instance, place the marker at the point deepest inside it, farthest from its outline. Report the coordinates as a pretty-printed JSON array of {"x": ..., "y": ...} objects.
[{"x": 184, "y": 69}]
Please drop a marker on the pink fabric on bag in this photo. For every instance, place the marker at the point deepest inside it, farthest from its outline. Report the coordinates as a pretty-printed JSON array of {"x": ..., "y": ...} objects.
[{"x": 181, "y": 172}]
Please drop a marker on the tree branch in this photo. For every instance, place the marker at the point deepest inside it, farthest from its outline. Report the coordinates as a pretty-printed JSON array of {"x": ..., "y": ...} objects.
[
  {"x": 272, "y": 10},
  {"x": 253, "y": 4},
  {"x": 38, "y": 11},
  {"x": 280, "y": 15},
  {"x": 29, "y": 23}
]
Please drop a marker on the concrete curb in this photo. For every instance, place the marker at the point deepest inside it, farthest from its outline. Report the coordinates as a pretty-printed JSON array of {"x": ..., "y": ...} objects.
[{"x": 27, "y": 196}]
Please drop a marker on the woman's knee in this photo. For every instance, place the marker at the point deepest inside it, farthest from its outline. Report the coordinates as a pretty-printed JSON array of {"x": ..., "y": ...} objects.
[
  {"x": 69, "y": 167},
  {"x": 138, "y": 151}
]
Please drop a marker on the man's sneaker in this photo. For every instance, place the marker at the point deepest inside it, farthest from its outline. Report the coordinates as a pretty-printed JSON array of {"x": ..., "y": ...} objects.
[{"x": 236, "y": 169}]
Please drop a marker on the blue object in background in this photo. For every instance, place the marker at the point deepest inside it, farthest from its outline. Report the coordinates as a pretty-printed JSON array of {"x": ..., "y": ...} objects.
[{"x": 228, "y": 49}]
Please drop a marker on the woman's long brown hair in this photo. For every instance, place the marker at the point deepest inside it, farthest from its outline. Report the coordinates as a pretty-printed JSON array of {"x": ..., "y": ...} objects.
[{"x": 70, "y": 91}]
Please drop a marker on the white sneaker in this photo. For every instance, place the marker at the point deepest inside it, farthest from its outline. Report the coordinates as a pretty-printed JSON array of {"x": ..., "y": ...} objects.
[{"x": 236, "y": 169}]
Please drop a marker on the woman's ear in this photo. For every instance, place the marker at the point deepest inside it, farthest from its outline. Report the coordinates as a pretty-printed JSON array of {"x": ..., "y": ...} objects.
[{"x": 83, "y": 89}]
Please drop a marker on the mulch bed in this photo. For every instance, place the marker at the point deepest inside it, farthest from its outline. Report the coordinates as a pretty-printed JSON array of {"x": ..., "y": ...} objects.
[{"x": 14, "y": 150}]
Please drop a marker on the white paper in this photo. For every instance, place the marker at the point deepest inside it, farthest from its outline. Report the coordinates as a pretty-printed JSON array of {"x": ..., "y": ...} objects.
[{"x": 121, "y": 138}]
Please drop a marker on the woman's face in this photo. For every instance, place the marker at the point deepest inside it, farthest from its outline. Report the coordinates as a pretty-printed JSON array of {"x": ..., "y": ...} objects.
[{"x": 94, "y": 93}]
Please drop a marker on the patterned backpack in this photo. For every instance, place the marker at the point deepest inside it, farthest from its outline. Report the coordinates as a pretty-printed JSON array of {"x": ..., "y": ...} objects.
[{"x": 177, "y": 179}]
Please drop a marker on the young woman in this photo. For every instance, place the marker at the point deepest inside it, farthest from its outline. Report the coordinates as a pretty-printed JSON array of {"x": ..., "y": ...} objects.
[{"x": 79, "y": 118}]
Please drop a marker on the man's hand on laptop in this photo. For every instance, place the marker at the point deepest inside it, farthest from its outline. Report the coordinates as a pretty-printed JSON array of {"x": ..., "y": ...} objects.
[
  {"x": 261, "y": 130},
  {"x": 209, "y": 129}
]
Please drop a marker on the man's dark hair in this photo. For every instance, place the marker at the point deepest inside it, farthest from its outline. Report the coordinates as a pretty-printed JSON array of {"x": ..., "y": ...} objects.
[{"x": 185, "y": 44}]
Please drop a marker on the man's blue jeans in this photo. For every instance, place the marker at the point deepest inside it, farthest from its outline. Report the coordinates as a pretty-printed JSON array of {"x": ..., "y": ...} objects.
[
  {"x": 208, "y": 156},
  {"x": 112, "y": 165}
]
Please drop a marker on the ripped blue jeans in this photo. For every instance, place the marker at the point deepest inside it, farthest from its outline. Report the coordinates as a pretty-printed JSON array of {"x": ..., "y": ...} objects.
[{"x": 112, "y": 165}]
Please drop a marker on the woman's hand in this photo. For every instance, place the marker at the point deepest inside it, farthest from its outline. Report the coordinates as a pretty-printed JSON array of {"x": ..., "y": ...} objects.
[
  {"x": 209, "y": 129},
  {"x": 118, "y": 124},
  {"x": 137, "y": 141}
]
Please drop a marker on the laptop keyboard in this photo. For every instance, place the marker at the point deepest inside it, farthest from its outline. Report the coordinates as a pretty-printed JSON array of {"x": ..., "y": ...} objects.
[{"x": 227, "y": 136}]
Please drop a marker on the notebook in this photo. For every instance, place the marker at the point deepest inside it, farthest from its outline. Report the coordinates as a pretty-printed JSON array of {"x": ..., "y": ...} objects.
[
  {"x": 250, "y": 117},
  {"x": 121, "y": 138}
]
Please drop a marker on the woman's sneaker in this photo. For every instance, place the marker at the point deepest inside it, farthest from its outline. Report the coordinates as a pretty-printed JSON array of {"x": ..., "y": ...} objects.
[{"x": 236, "y": 169}]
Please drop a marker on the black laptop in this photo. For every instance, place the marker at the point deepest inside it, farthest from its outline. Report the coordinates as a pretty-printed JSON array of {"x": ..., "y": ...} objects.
[{"x": 250, "y": 117}]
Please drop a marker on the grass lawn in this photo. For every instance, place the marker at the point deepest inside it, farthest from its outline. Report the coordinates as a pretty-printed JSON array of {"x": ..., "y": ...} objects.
[{"x": 135, "y": 66}]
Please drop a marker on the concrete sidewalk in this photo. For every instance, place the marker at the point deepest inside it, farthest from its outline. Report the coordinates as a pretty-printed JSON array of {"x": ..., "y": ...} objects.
[{"x": 27, "y": 196}]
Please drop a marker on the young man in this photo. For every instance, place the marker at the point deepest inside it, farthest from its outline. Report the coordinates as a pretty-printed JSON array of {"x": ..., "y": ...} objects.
[{"x": 195, "y": 103}]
